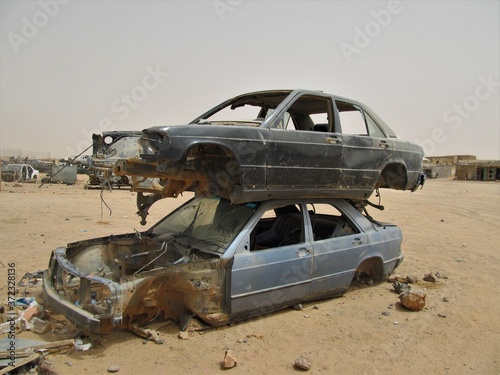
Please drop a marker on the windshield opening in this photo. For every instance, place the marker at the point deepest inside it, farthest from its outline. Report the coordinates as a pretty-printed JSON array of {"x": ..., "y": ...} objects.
[
  {"x": 213, "y": 221},
  {"x": 251, "y": 109},
  {"x": 241, "y": 114}
]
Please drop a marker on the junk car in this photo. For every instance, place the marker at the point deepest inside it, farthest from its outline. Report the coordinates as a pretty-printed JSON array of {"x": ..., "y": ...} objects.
[
  {"x": 221, "y": 262},
  {"x": 107, "y": 148},
  {"x": 19, "y": 172},
  {"x": 271, "y": 145}
]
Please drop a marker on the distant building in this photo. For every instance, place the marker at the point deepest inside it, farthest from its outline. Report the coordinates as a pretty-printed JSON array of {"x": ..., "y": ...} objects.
[
  {"x": 479, "y": 170},
  {"x": 449, "y": 159},
  {"x": 462, "y": 167}
]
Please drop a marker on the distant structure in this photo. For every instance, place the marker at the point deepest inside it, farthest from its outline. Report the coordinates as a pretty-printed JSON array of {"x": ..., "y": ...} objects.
[
  {"x": 480, "y": 170},
  {"x": 7, "y": 153},
  {"x": 14, "y": 155},
  {"x": 462, "y": 167},
  {"x": 37, "y": 159}
]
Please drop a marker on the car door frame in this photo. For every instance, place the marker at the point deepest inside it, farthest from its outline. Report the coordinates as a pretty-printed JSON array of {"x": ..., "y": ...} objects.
[
  {"x": 266, "y": 280},
  {"x": 312, "y": 155},
  {"x": 336, "y": 259},
  {"x": 363, "y": 156}
]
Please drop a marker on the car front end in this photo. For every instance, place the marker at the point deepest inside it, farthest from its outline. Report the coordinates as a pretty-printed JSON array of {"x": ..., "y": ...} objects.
[
  {"x": 174, "y": 269},
  {"x": 119, "y": 282}
]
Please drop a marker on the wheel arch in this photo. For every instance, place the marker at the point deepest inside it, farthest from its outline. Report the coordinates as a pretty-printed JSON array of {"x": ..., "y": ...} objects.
[
  {"x": 373, "y": 266},
  {"x": 219, "y": 162},
  {"x": 213, "y": 147},
  {"x": 394, "y": 176}
]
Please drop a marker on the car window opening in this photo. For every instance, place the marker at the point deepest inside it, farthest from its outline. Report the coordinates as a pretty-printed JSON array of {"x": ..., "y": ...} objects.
[
  {"x": 278, "y": 226},
  {"x": 308, "y": 113},
  {"x": 355, "y": 121},
  {"x": 328, "y": 222}
]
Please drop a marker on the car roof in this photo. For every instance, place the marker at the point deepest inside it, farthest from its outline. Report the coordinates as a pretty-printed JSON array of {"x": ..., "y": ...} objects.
[{"x": 276, "y": 97}]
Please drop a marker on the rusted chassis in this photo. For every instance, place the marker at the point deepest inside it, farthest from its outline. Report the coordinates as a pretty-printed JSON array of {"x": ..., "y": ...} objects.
[{"x": 122, "y": 297}]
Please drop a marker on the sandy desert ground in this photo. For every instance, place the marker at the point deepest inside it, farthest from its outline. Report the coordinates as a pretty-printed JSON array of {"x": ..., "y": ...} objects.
[{"x": 449, "y": 226}]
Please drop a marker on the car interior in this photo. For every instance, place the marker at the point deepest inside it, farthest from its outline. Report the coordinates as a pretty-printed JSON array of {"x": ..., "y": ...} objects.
[{"x": 282, "y": 226}]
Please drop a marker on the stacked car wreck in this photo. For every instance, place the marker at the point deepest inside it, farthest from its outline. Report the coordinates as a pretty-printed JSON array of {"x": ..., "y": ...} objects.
[{"x": 281, "y": 179}]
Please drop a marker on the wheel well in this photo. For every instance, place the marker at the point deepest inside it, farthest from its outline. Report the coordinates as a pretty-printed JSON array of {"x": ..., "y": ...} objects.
[
  {"x": 210, "y": 151},
  {"x": 219, "y": 164},
  {"x": 393, "y": 176},
  {"x": 373, "y": 267},
  {"x": 213, "y": 158}
]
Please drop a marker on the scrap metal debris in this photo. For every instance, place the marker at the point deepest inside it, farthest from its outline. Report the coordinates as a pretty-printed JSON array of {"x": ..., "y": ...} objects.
[
  {"x": 82, "y": 346},
  {"x": 401, "y": 287},
  {"x": 104, "y": 202},
  {"x": 26, "y": 310},
  {"x": 30, "y": 352},
  {"x": 31, "y": 278},
  {"x": 148, "y": 334},
  {"x": 411, "y": 299}
]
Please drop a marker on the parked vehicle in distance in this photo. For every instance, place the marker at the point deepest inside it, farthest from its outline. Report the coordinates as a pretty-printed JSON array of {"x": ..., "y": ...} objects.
[
  {"x": 271, "y": 145},
  {"x": 220, "y": 261},
  {"x": 44, "y": 166},
  {"x": 104, "y": 157},
  {"x": 19, "y": 173}
]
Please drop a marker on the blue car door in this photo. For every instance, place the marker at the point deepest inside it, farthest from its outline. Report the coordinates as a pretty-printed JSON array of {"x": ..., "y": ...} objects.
[{"x": 276, "y": 269}]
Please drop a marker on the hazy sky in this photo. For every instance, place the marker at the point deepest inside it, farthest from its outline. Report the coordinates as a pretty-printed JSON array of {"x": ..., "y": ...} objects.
[{"x": 68, "y": 69}]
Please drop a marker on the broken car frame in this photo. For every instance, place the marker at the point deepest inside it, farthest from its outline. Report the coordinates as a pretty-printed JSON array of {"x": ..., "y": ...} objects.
[
  {"x": 268, "y": 145},
  {"x": 220, "y": 261}
]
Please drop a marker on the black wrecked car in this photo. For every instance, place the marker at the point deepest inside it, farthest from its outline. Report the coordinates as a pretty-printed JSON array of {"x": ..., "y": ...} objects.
[
  {"x": 220, "y": 261},
  {"x": 267, "y": 145}
]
